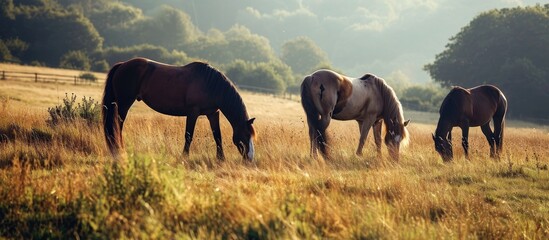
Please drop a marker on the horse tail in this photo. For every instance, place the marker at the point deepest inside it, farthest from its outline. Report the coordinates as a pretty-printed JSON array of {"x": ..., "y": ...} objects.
[
  {"x": 311, "y": 105},
  {"x": 307, "y": 101},
  {"x": 111, "y": 125}
]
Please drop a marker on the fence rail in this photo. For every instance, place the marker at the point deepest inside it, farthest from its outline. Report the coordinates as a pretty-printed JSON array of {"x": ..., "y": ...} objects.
[
  {"x": 77, "y": 80},
  {"x": 285, "y": 95},
  {"x": 45, "y": 77}
]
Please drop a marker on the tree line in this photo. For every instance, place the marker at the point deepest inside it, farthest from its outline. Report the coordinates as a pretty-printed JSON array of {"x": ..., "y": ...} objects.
[
  {"x": 95, "y": 34},
  {"x": 508, "y": 48},
  {"x": 504, "y": 47}
]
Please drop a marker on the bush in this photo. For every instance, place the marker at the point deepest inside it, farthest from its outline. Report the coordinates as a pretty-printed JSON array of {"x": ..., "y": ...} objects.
[
  {"x": 100, "y": 66},
  {"x": 115, "y": 54},
  {"x": 88, "y": 77},
  {"x": 257, "y": 76},
  {"x": 69, "y": 111},
  {"x": 422, "y": 98},
  {"x": 75, "y": 60}
]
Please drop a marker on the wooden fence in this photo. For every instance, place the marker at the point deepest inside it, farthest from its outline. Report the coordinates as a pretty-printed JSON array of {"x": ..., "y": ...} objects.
[
  {"x": 77, "y": 80},
  {"x": 45, "y": 77}
]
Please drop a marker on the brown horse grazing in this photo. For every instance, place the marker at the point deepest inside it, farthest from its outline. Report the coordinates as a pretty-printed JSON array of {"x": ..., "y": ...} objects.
[
  {"x": 472, "y": 107},
  {"x": 191, "y": 90},
  {"x": 368, "y": 100}
]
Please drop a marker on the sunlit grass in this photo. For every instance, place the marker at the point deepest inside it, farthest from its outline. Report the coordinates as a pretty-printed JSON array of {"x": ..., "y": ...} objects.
[{"x": 60, "y": 182}]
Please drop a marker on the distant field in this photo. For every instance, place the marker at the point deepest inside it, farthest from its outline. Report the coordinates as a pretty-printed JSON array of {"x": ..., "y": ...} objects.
[
  {"x": 60, "y": 182},
  {"x": 34, "y": 69}
]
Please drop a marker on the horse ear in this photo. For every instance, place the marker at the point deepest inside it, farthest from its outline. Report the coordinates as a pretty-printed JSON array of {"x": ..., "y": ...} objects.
[
  {"x": 407, "y": 122},
  {"x": 251, "y": 121}
]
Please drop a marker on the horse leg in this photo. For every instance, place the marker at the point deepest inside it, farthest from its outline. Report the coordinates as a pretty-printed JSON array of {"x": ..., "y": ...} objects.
[
  {"x": 377, "y": 136},
  {"x": 360, "y": 126},
  {"x": 321, "y": 139},
  {"x": 366, "y": 125},
  {"x": 216, "y": 130},
  {"x": 465, "y": 140},
  {"x": 189, "y": 131},
  {"x": 123, "y": 108},
  {"x": 312, "y": 138},
  {"x": 490, "y": 137},
  {"x": 499, "y": 125}
]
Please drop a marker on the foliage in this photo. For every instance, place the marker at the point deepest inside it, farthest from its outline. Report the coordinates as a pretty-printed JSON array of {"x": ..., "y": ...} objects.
[
  {"x": 113, "y": 18},
  {"x": 75, "y": 60},
  {"x": 506, "y": 48},
  {"x": 236, "y": 43},
  {"x": 5, "y": 54},
  {"x": 100, "y": 66},
  {"x": 127, "y": 26},
  {"x": 88, "y": 110},
  {"x": 12, "y": 49},
  {"x": 303, "y": 55},
  {"x": 97, "y": 34},
  {"x": 51, "y": 32},
  {"x": 262, "y": 76},
  {"x": 422, "y": 98},
  {"x": 116, "y": 54},
  {"x": 129, "y": 191},
  {"x": 88, "y": 77}
]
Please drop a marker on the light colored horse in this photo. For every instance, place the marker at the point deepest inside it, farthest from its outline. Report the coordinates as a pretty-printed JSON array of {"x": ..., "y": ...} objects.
[{"x": 327, "y": 95}]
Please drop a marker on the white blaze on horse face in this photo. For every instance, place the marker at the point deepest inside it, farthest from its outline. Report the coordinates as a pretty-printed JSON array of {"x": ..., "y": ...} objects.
[
  {"x": 251, "y": 150},
  {"x": 398, "y": 138}
]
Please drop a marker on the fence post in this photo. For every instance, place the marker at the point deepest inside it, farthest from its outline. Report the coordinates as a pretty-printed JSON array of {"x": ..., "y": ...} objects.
[
  {"x": 3, "y": 75},
  {"x": 74, "y": 80},
  {"x": 35, "y": 77}
]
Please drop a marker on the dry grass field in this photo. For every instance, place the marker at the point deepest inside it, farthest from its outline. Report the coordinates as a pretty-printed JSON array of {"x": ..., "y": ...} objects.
[{"x": 58, "y": 181}]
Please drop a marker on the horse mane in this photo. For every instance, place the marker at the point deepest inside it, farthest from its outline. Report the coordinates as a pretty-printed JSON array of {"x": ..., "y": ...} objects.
[
  {"x": 392, "y": 108},
  {"x": 219, "y": 85}
]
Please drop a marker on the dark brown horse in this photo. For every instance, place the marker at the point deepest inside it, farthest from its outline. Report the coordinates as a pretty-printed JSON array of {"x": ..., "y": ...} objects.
[
  {"x": 191, "y": 90},
  {"x": 368, "y": 100},
  {"x": 472, "y": 107}
]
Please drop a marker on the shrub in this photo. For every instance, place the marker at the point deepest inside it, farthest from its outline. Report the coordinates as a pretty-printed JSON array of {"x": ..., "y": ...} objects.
[
  {"x": 100, "y": 66},
  {"x": 69, "y": 111},
  {"x": 258, "y": 76},
  {"x": 75, "y": 60},
  {"x": 88, "y": 77},
  {"x": 89, "y": 110}
]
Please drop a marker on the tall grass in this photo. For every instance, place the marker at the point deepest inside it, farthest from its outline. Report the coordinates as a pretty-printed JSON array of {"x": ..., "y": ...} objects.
[{"x": 58, "y": 181}]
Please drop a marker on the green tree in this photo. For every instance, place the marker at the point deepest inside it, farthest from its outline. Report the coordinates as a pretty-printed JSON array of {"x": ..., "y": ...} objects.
[
  {"x": 126, "y": 26},
  {"x": 75, "y": 60},
  {"x": 236, "y": 43},
  {"x": 12, "y": 49},
  {"x": 262, "y": 76},
  {"x": 169, "y": 28},
  {"x": 7, "y": 11},
  {"x": 422, "y": 97},
  {"x": 115, "y": 54},
  {"x": 114, "y": 21},
  {"x": 507, "y": 48},
  {"x": 5, "y": 54},
  {"x": 51, "y": 32},
  {"x": 303, "y": 55}
]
